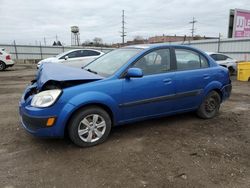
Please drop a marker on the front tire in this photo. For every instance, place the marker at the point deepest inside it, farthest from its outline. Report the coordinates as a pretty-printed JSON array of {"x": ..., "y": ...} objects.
[
  {"x": 210, "y": 106},
  {"x": 2, "y": 66},
  {"x": 89, "y": 126}
]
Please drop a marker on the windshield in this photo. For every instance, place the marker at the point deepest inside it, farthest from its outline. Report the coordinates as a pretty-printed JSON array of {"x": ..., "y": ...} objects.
[{"x": 109, "y": 63}]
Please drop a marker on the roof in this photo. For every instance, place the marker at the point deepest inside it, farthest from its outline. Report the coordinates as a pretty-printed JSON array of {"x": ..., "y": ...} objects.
[
  {"x": 147, "y": 46},
  {"x": 210, "y": 53}
]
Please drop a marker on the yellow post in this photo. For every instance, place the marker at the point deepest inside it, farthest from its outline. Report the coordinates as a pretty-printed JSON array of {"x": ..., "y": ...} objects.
[{"x": 243, "y": 71}]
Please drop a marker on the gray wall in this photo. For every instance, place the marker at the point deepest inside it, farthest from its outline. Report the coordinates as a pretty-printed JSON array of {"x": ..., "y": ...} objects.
[
  {"x": 27, "y": 52},
  {"x": 236, "y": 48}
]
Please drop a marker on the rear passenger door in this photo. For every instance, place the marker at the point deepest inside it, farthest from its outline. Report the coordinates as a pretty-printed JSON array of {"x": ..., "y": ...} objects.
[{"x": 192, "y": 75}]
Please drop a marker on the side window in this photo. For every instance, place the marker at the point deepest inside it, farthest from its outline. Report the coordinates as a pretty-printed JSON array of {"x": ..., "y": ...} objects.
[
  {"x": 187, "y": 60},
  {"x": 204, "y": 62},
  {"x": 221, "y": 57},
  {"x": 224, "y": 57},
  {"x": 71, "y": 55},
  {"x": 92, "y": 53},
  {"x": 155, "y": 62},
  {"x": 82, "y": 53},
  {"x": 214, "y": 56},
  {"x": 86, "y": 53}
]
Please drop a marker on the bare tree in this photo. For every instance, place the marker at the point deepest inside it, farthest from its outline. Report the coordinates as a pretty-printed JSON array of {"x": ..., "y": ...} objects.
[
  {"x": 87, "y": 43},
  {"x": 138, "y": 37},
  {"x": 97, "y": 41}
]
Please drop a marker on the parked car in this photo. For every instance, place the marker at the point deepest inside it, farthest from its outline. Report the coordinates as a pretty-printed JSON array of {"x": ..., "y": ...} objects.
[
  {"x": 224, "y": 61},
  {"x": 5, "y": 60},
  {"x": 73, "y": 58},
  {"x": 123, "y": 86}
]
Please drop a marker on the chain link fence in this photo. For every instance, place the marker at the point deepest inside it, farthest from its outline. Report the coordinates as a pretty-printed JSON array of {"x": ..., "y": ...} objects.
[{"x": 236, "y": 48}]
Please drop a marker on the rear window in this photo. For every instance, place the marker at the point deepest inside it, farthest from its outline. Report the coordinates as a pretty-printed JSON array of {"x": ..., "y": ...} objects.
[{"x": 219, "y": 57}]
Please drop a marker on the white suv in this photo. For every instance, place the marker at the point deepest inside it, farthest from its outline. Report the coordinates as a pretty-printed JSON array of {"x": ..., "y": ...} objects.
[
  {"x": 74, "y": 58},
  {"x": 5, "y": 60}
]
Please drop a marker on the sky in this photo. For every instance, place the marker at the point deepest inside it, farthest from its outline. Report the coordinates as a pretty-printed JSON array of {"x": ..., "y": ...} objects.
[{"x": 30, "y": 21}]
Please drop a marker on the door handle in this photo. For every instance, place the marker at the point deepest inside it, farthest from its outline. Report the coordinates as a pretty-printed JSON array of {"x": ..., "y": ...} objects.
[
  {"x": 167, "y": 81},
  {"x": 206, "y": 76}
]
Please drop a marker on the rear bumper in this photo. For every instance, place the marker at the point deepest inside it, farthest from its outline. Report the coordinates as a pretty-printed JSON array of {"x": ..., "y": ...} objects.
[
  {"x": 9, "y": 63},
  {"x": 226, "y": 91}
]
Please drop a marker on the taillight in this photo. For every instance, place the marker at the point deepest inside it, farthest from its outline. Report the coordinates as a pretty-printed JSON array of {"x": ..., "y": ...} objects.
[{"x": 8, "y": 57}]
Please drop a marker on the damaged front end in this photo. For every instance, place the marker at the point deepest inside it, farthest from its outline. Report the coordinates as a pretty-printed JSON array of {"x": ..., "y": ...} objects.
[
  {"x": 56, "y": 76},
  {"x": 50, "y": 85},
  {"x": 43, "y": 107}
]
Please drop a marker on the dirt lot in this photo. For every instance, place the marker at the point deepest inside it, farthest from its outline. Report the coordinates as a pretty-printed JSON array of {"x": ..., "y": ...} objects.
[{"x": 178, "y": 151}]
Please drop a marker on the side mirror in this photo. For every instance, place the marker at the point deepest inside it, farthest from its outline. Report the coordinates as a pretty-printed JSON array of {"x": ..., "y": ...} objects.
[
  {"x": 134, "y": 73},
  {"x": 66, "y": 57}
]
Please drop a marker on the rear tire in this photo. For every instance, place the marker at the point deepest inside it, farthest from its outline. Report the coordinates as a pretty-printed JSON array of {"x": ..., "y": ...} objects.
[
  {"x": 210, "y": 106},
  {"x": 2, "y": 66},
  {"x": 89, "y": 127}
]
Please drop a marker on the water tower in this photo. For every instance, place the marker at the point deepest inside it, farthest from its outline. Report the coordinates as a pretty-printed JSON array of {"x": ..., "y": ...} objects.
[{"x": 75, "y": 36}]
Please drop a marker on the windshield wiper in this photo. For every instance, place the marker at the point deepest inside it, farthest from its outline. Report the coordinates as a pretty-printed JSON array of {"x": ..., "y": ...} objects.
[{"x": 92, "y": 71}]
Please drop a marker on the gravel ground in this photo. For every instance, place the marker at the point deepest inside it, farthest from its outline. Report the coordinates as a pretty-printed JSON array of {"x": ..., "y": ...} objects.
[{"x": 177, "y": 151}]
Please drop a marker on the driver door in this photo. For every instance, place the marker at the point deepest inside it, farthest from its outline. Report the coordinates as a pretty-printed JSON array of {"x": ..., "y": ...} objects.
[{"x": 151, "y": 94}]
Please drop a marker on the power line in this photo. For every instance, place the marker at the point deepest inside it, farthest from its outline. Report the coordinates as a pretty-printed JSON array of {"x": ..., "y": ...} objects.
[{"x": 193, "y": 29}]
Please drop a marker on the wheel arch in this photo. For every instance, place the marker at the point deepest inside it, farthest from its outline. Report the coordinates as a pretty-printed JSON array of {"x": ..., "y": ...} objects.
[
  {"x": 219, "y": 92},
  {"x": 214, "y": 86}
]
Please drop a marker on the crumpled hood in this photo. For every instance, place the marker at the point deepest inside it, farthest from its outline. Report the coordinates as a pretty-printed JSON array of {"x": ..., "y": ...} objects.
[{"x": 59, "y": 72}]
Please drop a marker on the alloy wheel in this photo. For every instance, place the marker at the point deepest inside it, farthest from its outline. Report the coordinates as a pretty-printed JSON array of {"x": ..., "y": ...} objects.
[{"x": 91, "y": 128}]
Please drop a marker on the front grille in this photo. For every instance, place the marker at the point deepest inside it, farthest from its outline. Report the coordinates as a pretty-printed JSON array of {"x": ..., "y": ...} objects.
[{"x": 34, "y": 123}]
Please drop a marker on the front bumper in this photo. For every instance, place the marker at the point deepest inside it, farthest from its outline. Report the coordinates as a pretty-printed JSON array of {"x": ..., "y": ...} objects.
[
  {"x": 226, "y": 91},
  {"x": 34, "y": 120},
  {"x": 34, "y": 123}
]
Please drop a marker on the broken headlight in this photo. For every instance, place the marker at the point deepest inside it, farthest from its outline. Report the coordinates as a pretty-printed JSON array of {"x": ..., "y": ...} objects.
[{"x": 46, "y": 98}]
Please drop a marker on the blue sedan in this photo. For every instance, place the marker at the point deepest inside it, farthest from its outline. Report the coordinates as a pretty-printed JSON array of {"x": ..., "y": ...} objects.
[{"x": 126, "y": 85}]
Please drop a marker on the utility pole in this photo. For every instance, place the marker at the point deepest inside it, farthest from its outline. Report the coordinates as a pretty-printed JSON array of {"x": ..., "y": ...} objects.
[
  {"x": 193, "y": 29},
  {"x": 123, "y": 27},
  {"x": 44, "y": 39},
  {"x": 15, "y": 49},
  {"x": 219, "y": 38}
]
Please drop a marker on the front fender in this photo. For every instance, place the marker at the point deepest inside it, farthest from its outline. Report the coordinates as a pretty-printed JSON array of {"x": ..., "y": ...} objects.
[{"x": 93, "y": 97}]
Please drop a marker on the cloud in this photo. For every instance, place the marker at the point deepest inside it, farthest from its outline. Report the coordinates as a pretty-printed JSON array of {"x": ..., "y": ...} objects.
[{"x": 29, "y": 21}]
